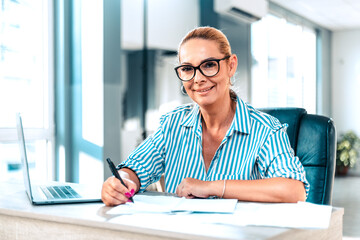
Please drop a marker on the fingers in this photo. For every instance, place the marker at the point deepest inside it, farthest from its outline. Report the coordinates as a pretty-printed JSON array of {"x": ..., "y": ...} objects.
[
  {"x": 131, "y": 186},
  {"x": 191, "y": 188},
  {"x": 184, "y": 192},
  {"x": 184, "y": 189},
  {"x": 114, "y": 193}
]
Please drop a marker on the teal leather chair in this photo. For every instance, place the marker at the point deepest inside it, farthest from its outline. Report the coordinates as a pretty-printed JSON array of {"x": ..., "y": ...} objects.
[{"x": 313, "y": 138}]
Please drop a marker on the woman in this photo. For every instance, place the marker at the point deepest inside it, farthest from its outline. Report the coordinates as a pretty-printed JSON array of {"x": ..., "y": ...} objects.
[{"x": 218, "y": 146}]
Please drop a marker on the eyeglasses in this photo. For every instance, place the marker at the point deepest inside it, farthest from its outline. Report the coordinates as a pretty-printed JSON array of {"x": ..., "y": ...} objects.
[{"x": 208, "y": 68}]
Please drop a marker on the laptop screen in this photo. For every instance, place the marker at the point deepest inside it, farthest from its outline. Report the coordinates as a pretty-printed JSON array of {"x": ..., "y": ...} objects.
[{"x": 24, "y": 162}]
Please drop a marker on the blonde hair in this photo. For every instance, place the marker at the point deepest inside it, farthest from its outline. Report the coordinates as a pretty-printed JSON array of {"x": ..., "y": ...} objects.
[{"x": 211, "y": 34}]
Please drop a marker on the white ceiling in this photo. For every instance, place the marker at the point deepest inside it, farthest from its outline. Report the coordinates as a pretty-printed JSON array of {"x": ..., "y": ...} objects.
[{"x": 331, "y": 14}]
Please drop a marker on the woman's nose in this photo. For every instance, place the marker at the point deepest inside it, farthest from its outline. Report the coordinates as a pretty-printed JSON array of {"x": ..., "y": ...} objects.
[{"x": 199, "y": 77}]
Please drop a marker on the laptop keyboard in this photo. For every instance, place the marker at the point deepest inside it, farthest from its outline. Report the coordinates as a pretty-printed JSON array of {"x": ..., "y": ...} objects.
[{"x": 59, "y": 192}]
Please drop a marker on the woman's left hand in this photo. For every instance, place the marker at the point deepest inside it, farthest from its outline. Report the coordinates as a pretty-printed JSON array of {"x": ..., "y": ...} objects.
[{"x": 191, "y": 188}]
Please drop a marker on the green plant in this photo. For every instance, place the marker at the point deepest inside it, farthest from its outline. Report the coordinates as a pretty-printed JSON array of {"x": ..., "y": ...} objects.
[{"x": 348, "y": 150}]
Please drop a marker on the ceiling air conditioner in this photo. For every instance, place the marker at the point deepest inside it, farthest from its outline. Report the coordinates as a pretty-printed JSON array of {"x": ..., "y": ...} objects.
[{"x": 245, "y": 10}]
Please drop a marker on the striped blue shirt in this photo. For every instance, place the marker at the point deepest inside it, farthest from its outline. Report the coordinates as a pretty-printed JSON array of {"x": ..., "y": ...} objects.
[{"x": 256, "y": 146}]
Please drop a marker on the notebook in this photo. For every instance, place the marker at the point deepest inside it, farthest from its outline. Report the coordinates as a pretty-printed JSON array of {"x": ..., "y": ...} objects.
[{"x": 54, "y": 192}]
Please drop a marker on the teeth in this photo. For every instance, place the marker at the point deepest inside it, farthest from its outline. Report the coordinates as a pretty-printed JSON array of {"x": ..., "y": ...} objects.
[{"x": 205, "y": 90}]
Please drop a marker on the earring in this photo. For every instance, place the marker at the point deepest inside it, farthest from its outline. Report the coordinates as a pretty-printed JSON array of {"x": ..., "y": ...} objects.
[
  {"x": 232, "y": 81},
  {"x": 182, "y": 90}
]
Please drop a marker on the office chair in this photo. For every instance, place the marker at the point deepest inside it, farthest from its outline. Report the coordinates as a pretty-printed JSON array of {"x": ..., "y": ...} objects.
[{"x": 313, "y": 139}]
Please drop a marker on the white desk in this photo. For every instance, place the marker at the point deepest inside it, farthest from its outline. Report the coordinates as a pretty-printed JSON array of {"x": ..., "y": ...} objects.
[{"x": 19, "y": 219}]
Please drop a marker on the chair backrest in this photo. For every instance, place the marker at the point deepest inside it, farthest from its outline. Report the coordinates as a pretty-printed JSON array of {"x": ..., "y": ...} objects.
[{"x": 313, "y": 139}]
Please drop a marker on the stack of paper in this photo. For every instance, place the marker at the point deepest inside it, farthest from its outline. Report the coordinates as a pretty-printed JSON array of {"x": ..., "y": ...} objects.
[{"x": 227, "y": 211}]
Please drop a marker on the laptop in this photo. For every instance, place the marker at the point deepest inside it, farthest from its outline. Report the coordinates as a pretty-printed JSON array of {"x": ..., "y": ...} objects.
[{"x": 54, "y": 192}]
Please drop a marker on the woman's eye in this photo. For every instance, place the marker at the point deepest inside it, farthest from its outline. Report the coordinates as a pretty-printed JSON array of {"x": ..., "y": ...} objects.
[
  {"x": 210, "y": 64},
  {"x": 186, "y": 69}
]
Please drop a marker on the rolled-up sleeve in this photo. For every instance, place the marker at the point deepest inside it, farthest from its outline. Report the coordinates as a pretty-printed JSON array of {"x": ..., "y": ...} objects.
[
  {"x": 277, "y": 159},
  {"x": 147, "y": 160}
]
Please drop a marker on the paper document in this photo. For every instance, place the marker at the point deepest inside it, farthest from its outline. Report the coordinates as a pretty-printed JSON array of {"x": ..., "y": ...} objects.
[
  {"x": 292, "y": 215},
  {"x": 169, "y": 204},
  {"x": 184, "y": 212},
  {"x": 206, "y": 205}
]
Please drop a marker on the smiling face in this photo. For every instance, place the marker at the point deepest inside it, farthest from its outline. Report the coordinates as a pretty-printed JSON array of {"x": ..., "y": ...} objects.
[{"x": 207, "y": 91}]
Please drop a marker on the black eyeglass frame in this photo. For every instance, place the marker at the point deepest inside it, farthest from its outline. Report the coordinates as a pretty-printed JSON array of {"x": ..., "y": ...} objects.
[{"x": 198, "y": 68}]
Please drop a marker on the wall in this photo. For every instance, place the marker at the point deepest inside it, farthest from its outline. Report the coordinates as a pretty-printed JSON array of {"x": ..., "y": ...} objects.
[
  {"x": 167, "y": 23},
  {"x": 346, "y": 80},
  {"x": 324, "y": 73}
]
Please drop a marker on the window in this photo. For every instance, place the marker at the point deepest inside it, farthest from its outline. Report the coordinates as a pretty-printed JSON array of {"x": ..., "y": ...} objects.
[
  {"x": 26, "y": 86},
  {"x": 90, "y": 160},
  {"x": 284, "y": 64}
]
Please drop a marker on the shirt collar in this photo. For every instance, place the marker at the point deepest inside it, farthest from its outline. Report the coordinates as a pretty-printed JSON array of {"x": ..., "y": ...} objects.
[
  {"x": 192, "y": 117},
  {"x": 241, "y": 121}
]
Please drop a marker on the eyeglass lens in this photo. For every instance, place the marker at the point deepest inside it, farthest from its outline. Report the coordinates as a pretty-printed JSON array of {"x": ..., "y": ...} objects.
[{"x": 208, "y": 68}]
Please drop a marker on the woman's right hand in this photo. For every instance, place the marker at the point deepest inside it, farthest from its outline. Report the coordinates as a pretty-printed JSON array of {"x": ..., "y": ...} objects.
[{"x": 114, "y": 193}]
